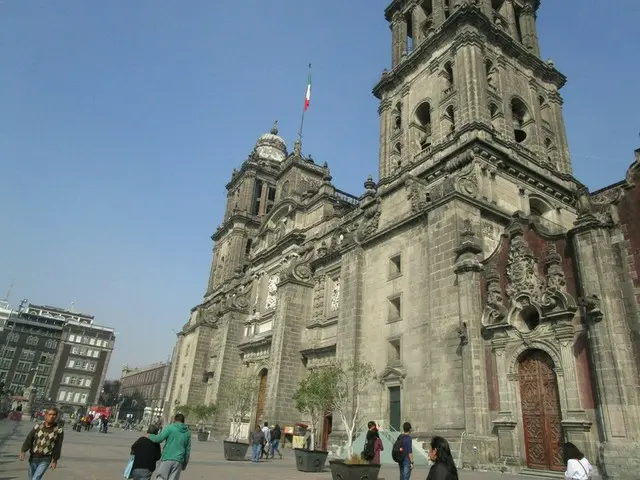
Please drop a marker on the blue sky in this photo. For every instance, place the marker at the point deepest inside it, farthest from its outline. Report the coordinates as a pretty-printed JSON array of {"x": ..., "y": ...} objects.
[{"x": 120, "y": 123}]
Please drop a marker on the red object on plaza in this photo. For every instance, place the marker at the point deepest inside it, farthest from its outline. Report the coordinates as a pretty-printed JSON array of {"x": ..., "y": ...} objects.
[{"x": 100, "y": 410}]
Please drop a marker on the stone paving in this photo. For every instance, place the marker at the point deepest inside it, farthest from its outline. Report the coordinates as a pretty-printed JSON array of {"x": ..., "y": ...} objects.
[{"x": 96, "y": 456}]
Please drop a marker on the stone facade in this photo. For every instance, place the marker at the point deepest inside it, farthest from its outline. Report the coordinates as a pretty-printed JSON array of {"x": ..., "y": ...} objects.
[
  {"x": 150, "y": 381},
  {"x": 495, "y": 296}
]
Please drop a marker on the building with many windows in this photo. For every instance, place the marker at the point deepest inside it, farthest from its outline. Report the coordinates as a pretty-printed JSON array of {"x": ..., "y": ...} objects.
[
  {"x": 62, "y": 355},
  {"x": 149, "y": 381}
]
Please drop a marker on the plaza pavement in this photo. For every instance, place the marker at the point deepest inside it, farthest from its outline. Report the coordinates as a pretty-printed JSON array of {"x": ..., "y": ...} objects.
[{"x": 96, "y": 456}]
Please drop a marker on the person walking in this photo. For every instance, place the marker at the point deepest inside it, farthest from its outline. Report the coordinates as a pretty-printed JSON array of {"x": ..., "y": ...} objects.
[
  {"x": 276, "y": 435},
  {"x": 372, "y": 445},
  {"x": 257, "y": 440},
  {"x": 402, "y": 452},
  {"x": 44, "y": 444},
  {"x": 267, "y": 440},
  {"x": 444, "y": 467},
  {"x": 177, "y": 448},
  {"x": 146, "y": 455}
]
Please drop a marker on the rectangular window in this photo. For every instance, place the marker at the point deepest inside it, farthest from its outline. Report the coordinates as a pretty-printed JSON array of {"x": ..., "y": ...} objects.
[
  {"x": 66, "y": 379},
  {"x": 72, "y": 363},
  {"x": 3, "y": 375},
  {"x": 61, "y": 395},
  {"x": 74, "y": 381},
  {"x": 83, "y": 398},
  {"x": 395, "y": 266},
  {"x": 92, "y": 366},
  {"x": 257, "y": 198},
  {"x": 23, "y": 366},
  {"x": 92, "y": 341},
  {"x": 76, "y": 397},
  {"x": 394, "y": 308},
  {"x": 74, "y": 350},
  {"x": 5, "y": 363},
  {"x": 394, "y": 354},
  {"x": 72, "y": 338},
  {"x": 19, "y": 378},
  {"x": 69, "y": 396},
  {"x": 9, "y": 352},
  {"x": 96, "y": 353}
]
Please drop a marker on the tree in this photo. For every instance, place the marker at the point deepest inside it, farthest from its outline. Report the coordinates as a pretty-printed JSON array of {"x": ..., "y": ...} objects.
[
  {"x": 314, "y": 397},
  {"x": 238, "y": 399},
  {"x": 351, "y": 379},
  {"x": 110, "y": 393},
  {"x": 203, "y": 413}
]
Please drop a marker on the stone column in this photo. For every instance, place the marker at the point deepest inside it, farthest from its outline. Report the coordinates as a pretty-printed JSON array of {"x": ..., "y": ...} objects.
[
  {"x": 528, "y": 28},
  {"x": 383, "y": 112},
  {"x": 399, "y": 38},
  {"x": 438, "y": 13},
  {"x": 557, "y": 120},
  {"x": 295, "y": 294},
  {"x": 417, "y": 19},
  {"x": 505, "y": 423},
  {"x": 467, "y": 269},
  {"x": 509, "y": 13},
  {"x": 471, "y": 84},
  {"x": 616, "y": 375}
]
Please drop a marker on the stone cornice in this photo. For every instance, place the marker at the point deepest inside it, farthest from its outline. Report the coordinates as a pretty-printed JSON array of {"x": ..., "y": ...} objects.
[
  {"x": 254, "y": 342},
  {"x": 302, "y": 164},
  {"x": 468, "y": 15},
  {"x": 252, "y": 168},
  {"x": 225, "y": 226}
]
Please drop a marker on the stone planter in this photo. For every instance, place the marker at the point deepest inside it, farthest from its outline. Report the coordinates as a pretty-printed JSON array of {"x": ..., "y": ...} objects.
[
  {"x": 235, "y": 451},
  {"x": 310, "y": 460},
  {"x": 346, "y": 471},
  {"x": 203, "y": 436}
]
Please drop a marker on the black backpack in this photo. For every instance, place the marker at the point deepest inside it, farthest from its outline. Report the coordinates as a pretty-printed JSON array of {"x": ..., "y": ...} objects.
[
  {"x": 368, "y": 452},
  {"x": 397, "y": 452}
]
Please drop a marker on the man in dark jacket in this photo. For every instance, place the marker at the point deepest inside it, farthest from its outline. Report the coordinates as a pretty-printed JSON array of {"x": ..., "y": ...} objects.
[
  {"x": 44, "y": 444},
  {"x": 146, "y": 455}
]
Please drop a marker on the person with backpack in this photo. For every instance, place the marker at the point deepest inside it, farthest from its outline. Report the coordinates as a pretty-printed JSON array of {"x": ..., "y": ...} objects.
[
  {"x": 402, "y": 452},
  {"x": 372, "y": 445}
]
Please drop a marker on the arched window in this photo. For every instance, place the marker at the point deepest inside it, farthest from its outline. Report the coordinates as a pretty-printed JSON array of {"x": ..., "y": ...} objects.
[
  {"x": 398, "y": 148},
  {"x": 520, "y": 117},
  {"x": 448, "y": 75},
  {"x": 492, "y": 75},
  {"x": 423, "y": 119},
  {"x": 247, "y": 248},
  {"x": 451, "y": 117},
  {"x": 397, "y": 117}
]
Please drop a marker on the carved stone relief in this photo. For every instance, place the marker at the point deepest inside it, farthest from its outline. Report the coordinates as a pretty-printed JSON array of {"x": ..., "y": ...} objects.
[
  {"x": 522, "y": 268},
  {"x": 318, "y": 299},
  {"x": 491, "y": 234},
  {"x": 335, "y": 296},
  {"x": 495, "y": 310},
  {"x": 371, "y": 220},
  {"x": 417, "y": 194},
  {"x": 272, "y": 291}
]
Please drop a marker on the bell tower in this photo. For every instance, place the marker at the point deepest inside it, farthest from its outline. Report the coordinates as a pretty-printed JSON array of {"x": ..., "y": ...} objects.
[
  {"x": 251, "y": 193},
  {"x": 464, "y": 70}
]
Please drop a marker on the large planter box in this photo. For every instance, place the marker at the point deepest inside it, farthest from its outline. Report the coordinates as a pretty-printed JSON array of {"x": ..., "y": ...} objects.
[
  {"x": 235, "y": 451},
  {"x": 346, "y": 471},
  {"x": 203, "y": 436},
  {"x": 310, "y": 460}
]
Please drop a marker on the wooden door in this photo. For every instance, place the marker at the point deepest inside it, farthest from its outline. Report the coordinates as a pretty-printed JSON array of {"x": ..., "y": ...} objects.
[
  {"x": 395, "y": 410},
  {"x": 262, "y": 393},
  {"x": 540, "y": 411}
]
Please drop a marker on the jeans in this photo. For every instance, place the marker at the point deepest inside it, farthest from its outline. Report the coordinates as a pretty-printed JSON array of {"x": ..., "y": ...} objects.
[
  {"x": 274, "y": 448},
  {"x": 141, "y": 474},
  {"x": 405, "y": 470},
  {"x": 38, "y": 467},
  {"x": 257, "y": 450},
  {"x": 169, "y": 470}
]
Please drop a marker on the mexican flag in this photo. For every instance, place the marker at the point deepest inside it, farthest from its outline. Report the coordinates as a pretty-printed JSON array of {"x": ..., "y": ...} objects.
[{"x": 307, "y": 98}]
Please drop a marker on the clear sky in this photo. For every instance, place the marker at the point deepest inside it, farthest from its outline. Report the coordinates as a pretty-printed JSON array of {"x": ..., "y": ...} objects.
[{"x": 121, "y": 121}]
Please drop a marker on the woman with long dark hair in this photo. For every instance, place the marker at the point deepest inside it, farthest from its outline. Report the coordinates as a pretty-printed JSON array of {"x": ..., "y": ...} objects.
[
  {"x": 443, "y": 468},
  {"x": 372, "y": 445},
  {"x": 578, "y": 467}
]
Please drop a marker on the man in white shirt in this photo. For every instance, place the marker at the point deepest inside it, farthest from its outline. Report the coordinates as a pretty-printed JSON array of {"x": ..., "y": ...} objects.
[{"x": 267, "y": 440}]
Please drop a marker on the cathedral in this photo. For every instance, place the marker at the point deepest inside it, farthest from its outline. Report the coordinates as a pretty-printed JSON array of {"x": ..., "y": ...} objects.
[{"x": 497, "y": 298}]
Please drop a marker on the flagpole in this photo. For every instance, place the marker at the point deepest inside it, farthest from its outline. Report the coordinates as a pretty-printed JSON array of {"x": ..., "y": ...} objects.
[{"x": 304, "y": 107}]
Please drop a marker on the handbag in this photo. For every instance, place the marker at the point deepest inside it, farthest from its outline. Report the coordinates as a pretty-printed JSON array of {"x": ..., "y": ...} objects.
[{"x": 128, "y": 468}]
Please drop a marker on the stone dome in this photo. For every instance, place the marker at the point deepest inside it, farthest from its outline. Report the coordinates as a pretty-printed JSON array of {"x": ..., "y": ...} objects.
[{"x": 270, "y": 146}]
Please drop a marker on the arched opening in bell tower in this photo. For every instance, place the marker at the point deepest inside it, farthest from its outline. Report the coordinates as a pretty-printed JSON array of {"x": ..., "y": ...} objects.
[
  {"x": 520, "y": 115},
  {"x": 423, "y": 120}
]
